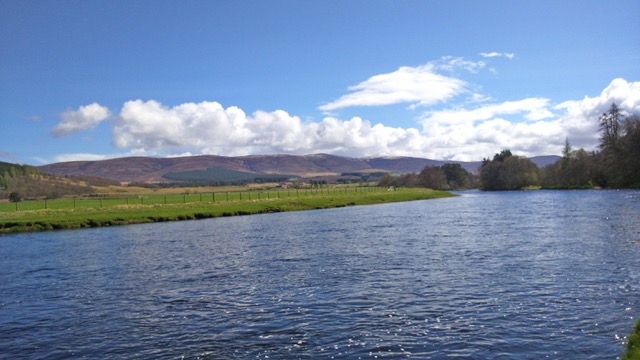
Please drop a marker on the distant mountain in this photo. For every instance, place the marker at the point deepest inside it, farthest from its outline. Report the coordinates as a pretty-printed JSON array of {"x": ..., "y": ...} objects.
[
  {"x": 148, "y": 169},
  {"x": 404, "y": 164}
]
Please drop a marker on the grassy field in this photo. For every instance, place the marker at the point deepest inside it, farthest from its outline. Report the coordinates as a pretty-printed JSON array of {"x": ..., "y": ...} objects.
[{"x": 96, "y": 212}]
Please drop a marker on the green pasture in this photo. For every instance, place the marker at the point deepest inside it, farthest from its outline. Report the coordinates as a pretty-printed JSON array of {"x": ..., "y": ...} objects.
[
  {"x": 93, "y": 212},
  {"x": 100, "y": 202}
]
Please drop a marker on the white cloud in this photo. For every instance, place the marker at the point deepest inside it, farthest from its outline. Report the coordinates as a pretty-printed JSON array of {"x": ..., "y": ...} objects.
[
  {"x": 581, "y": 116},
  {"x": 86, "y": 117},
  {"x": 529, "y": 127},
  {"x": 452, "y": 64},
  {"x": 497, "y": 54},
  {"x": 531, "y": 108},
  {"x": 470, "y": 134},
  {"x": 419, "y": 86},
  {"x": 207, "y": 127}
]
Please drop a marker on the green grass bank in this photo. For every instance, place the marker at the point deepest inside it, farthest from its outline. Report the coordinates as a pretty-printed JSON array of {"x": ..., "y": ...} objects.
[
  {"x": 70, "y": 214},
  {"x": 633, "y": 345}
]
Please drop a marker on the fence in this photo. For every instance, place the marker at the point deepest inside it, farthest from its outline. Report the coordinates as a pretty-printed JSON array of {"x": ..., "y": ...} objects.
[{"x": 157, "y": 199}]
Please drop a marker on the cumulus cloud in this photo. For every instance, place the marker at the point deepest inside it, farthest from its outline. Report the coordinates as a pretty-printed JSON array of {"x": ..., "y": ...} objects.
[
  {"x": 535, "y": 127},
  {"x": 498, "y": 54},
  {"x": 529, "y": 127},
  {"x": 580, "y": 116},
  {"x": 208, "y": 128},
  {"x": 420, "y": 86},
  {"x": 86, "y": 117}
]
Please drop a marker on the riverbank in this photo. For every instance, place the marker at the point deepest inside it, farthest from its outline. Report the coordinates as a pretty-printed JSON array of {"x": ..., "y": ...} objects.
[
  {"x": 633, "y": 344},
  {"x": 75, "y": 218}
]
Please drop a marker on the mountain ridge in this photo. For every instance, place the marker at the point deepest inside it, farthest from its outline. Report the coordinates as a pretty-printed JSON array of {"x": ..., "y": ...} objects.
[{"x": 152, "y": 169}]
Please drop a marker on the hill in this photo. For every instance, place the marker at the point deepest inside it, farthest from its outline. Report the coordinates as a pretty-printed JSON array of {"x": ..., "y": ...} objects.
[
  {"x": 30, "y": 182},
  {"x": 148, "y": 169}
]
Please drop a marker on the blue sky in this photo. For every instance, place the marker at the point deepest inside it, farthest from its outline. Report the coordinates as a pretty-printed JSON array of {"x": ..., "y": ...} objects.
[{"x": 450, "y": 80}]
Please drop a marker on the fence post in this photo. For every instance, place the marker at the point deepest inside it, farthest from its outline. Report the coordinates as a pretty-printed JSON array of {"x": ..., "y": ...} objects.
[
  {"x": 213, "y": 197},
  {"x": 45, "y": 204}
]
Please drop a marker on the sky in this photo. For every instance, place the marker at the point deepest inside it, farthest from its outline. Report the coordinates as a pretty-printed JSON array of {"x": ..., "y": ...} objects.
[{"x": 445, "y": 80}]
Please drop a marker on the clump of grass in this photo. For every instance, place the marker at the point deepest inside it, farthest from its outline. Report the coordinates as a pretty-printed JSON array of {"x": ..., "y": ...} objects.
[{"x": 633, "y": 345}]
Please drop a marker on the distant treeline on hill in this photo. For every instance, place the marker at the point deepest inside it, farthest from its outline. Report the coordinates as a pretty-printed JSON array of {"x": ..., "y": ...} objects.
[
  {"x": 216, "y": 176},
  {"x": 25, "y": 181},
  {"x": 8, "y": 170}
]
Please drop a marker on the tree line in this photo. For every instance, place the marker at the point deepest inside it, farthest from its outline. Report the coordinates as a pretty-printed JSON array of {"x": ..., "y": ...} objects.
[
  {"x": 445, "y": 177},
  {"x": 615, "y": 164}
]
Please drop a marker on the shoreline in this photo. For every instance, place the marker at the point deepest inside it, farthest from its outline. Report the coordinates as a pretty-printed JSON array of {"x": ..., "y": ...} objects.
[{"x": 67, "y": 219}]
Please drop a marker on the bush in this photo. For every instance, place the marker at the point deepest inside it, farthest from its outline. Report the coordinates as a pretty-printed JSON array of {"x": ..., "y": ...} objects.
[{"x": 15, "y": 197}]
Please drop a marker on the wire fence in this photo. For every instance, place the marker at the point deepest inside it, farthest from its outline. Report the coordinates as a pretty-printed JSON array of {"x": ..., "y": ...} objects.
[{"x": 97, "y": 202}]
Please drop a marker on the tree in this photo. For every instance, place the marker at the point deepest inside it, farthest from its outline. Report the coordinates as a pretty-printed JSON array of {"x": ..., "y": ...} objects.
[
  {"x": 433, "y": 177},
  {"x": 611, "y": 151},
  {"x": 15, "y": 197},
  {"x": 618, "y": 163},
  {"x": 386, "y": 180},
  {"x": 576, "y": 169},
  {"x": 457, "y": 177},
  {"x": 630, "y": 144},
  {"x": 508, "y": 172},
  {"x": 610, "y": 127},
  {"x": 566, "y": 153},
  {"x": 502, "y": 156}
]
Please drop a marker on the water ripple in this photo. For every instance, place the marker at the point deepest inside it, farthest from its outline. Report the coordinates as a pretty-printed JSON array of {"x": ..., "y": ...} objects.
[{"x": 486, "y": 275}]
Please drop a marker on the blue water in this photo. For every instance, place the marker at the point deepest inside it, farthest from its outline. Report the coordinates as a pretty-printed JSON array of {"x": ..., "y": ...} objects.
[{"x": 540, "y": 274}]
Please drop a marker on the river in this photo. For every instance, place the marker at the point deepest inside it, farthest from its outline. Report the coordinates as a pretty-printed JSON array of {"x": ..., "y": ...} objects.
[{"x": 486, "y": 275}]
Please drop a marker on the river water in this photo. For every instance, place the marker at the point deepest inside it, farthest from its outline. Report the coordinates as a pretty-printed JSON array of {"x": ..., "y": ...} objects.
[{"x": 539, "y": 274}]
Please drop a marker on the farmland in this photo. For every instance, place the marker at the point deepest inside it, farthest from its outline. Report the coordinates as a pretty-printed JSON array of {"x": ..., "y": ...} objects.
[{"x": 73, "y": 213}]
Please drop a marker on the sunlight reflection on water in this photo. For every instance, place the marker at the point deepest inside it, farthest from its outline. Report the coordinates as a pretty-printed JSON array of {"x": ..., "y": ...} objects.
[{"x": 486, "y": 275}]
